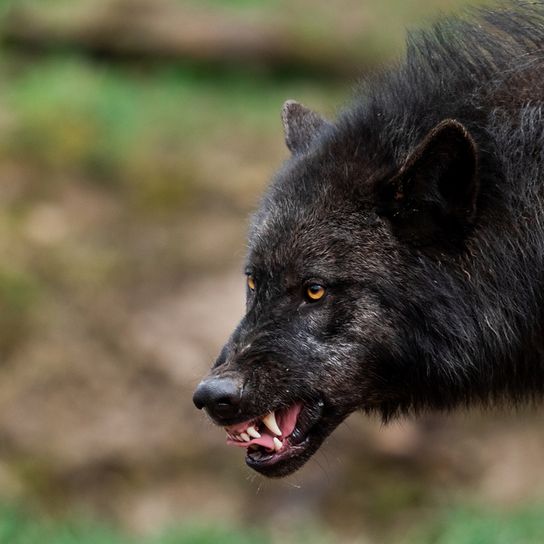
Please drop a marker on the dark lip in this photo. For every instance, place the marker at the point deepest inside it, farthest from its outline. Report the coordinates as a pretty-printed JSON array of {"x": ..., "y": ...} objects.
[{"x": 291, "y": 452}]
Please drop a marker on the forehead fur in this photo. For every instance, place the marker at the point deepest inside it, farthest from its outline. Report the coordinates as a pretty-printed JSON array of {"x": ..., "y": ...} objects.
[{"x": 311, "y": 215}]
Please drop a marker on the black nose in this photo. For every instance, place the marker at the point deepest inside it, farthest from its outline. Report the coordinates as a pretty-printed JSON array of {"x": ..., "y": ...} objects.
[{"x": 220, "y": 396}]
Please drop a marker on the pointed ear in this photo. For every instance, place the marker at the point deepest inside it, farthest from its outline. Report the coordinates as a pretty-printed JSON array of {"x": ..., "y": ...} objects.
[
  {"x": 433, "y": 197},
  {"x": 300, "y": 125}
]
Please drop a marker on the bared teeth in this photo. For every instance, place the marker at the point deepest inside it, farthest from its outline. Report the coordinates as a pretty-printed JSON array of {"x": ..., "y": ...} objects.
[
  {"x": 278, "y": 445},
  {"x": 251, "y": 431},
  {"x": 270, "y": 421},
  {"x": 245, "y": 437}
]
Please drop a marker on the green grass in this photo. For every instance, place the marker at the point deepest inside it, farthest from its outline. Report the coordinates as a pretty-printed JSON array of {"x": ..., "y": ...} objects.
[
  {"x": 485, "y": 526},
  {"x": 145, "y": 135},
  {"x": 524, "y": 525},
  {"x": 19, "y": 528},
  {"x": 71, "y": 111}
]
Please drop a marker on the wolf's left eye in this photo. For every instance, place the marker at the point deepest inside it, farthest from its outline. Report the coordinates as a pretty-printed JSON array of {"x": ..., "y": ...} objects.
[
  {"x": 315, "y": 292},
  {"x": 251, "y": 282}
]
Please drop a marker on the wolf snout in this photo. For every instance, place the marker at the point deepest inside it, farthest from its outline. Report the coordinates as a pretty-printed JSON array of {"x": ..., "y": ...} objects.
[{"x": 220, "y": 396}]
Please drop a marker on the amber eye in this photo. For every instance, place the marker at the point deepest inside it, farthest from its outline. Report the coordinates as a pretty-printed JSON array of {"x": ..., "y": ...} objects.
[
  {"x": 251, "y": 282},
  {"x": 315, "y": 292}
]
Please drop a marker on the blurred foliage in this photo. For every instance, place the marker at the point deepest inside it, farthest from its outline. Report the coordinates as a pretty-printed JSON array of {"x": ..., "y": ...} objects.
[
  {"x": 19, "y": 528},
  {"x": 131, "y": 131},
  {"x": 482, "y": 526},
  {"x": 523, "y": 525}
]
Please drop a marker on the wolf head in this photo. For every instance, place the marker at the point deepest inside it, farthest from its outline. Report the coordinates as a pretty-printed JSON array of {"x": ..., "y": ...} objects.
[{"x": 345, "y": 263}]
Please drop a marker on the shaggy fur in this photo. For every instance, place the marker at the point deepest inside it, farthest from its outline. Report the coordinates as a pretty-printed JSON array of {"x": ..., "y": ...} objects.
[{"x": 421, "y": 212}]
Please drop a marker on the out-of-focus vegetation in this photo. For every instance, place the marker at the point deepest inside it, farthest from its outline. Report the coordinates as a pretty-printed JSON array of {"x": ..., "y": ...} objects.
[
  {"x": 461, "y": 526},
  {"x": 16, "y": 528},
  {"x": 481, "y": 526},
  {"x": 139, "y": 136},
  {"x": 125, "y": 186}
]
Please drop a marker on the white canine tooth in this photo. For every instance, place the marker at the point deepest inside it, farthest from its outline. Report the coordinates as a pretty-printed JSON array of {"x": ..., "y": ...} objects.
[
  {"x": 252, "y": 431},
  {"x": 245, "y": 437},
  {"x": 270, "y": 421},
  {"x": 277, "y": 444}
]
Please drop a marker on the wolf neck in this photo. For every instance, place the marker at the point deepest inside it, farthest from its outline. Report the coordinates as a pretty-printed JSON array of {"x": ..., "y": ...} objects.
[{"x": 486, "y": 344}]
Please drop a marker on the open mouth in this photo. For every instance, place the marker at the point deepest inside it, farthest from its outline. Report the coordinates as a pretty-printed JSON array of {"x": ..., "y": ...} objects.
[{"x": 276, "y": 437}]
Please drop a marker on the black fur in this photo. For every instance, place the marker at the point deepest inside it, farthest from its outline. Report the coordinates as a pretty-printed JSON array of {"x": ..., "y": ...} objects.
[{"x": 421, "y": 210}]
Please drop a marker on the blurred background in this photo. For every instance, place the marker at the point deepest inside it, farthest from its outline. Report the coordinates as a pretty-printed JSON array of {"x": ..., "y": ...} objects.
[{"x": 135, "y": 139}]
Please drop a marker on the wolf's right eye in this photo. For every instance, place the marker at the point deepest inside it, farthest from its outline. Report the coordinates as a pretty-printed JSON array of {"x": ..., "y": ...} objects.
[{"x": 251, "y": 282}]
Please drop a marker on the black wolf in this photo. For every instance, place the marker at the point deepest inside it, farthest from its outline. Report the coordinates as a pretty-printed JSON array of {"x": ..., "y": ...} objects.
[{"x": 396, "y": 263}]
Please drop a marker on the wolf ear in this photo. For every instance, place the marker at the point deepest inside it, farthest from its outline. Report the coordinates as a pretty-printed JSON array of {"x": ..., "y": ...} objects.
[
  {"x": 433, "y": 196},
  {"x": 300, "y": 125}
]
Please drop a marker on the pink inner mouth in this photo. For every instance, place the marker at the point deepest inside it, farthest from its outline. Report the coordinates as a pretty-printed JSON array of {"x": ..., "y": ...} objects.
[{"x": 286, "y": 419}]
